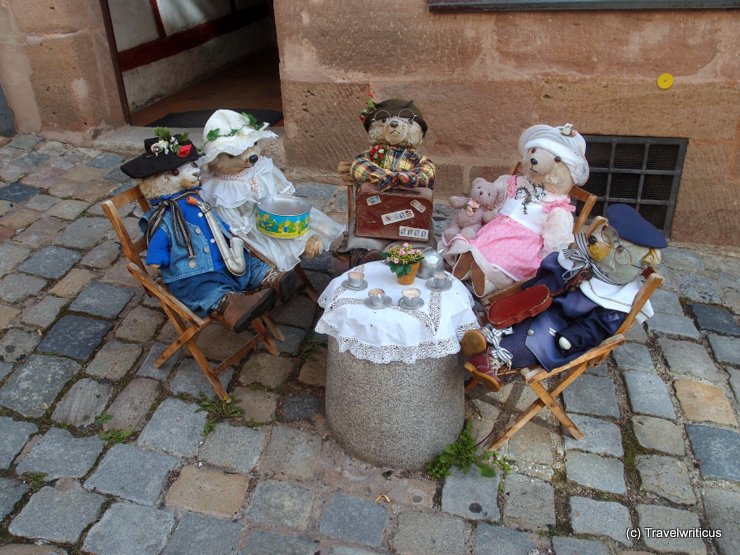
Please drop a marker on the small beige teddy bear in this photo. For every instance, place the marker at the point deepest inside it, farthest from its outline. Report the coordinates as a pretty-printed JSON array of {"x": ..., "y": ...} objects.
[{"x": 474, "y": 211}]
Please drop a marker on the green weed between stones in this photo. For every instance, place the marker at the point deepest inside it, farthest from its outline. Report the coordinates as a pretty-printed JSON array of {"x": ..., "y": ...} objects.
[
  {"x": 463, "y": 454},
  {"x": 116, "y": 436},
  {"x": 34, "y": 480},
  {"x": 103, "y": 418},
  {"x": 218, "y": 411}
]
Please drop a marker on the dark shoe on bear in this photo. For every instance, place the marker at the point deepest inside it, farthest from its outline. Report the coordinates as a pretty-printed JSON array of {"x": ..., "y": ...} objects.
[
  {"x": 237, "y": 310},
  {"x": 284, "y": 283},
  {"x": 473, "y": 342}
]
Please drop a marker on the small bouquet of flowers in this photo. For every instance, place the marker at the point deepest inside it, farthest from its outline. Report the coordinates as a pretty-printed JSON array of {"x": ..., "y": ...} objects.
[{"x": 401, "y": 258}]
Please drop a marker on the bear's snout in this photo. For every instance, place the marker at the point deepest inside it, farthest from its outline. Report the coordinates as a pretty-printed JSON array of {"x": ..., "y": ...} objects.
[
  {"x": 533, "y": 161},
  {"x": 253, "y": 158},
  {"x": 394, "y": 124}
]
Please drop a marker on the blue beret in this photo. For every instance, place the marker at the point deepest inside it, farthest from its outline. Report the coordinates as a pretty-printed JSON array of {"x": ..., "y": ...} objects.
[{"x": 632, "y": 226}]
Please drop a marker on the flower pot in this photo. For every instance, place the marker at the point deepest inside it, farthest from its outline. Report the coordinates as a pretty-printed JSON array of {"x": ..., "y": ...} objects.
[{"x": 408, "y": 279}]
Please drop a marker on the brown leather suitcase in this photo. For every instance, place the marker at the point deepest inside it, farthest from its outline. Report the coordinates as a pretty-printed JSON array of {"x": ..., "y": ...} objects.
[{"x": 394, "y": 215}]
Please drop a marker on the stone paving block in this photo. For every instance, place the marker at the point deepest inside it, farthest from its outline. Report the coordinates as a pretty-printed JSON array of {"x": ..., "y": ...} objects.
[
  {"x": 25, "y": 142},
  {"x": 198, "y": 535},
  {"x": 207, "y": 491},
  {"x": 715, "y": 318},
  {"x": 671, "y": 324},
  {"x": 11, "y": 255},
  {"x": 68, "y": 209},
  {"x": 654, "y": 516},
  {"x": 175, "y": 427},
  {"x": 602, "y": 473},
  {"x": 57, "y": 516},
  {"x": 533, "y": 443},
  {"x": 233, "y": 447},
  {"x": 70, "y": 159},
  {"x": 666, "y": 302},
  {"x": 292, "y": 453},
  {"x": 72, "y": 283},
  {"x": 117, "y": 176},
  {"x": 689, "y": 359},
  {"x": 600, "y": 370},
  {"x": 10, "y": 493},
  {"x": 41, "y": 232},
  {"x": 576, "y": 546},
  {"x": 102, "y": 256},
  {"x": 83, "y": 403},
  {"x": 265, "y": 369},
  {"x": 16, "y": 344},
  {"x": 190, "y": 379},
  {"x": 704, "y": 403},
  {"x": 215, "y": 341},
  {"x": 130, "y": 529},
  {"x": 5, "y": 369},
  {"x": 636, "y": 333},
  {"x": 734, "y": 381},
  {"x": 27, "y": 549},
  {"x": 592, "y": 395},
  {"x": 15, "y": 435},
  {"x": 85, "y": 233},
  {"x": 17, "y": 192},
  {"x": 32, "y": 388},
  {"x": 75, "y": 336},
  {"x": 313, "y": 371},
  {"x": 722, "y": 510},
  {"x": 147, "y": 369},
  {"x": 7, "y": 314},
  {"x": 718, "y": 451},
  {"x": 431, "y": 534},
  {"x": 726, "y": 349},
  {"x": 503, "y": 541},
  {"x": 281, "y": 505},
  {"x": 59, "y": 454},
  {"x": 129, "y": 409},
  {"x": 260, "y": 542},
  {"x": 658, "y": 434},
  {"x": 355, "y": 520},
  {"x": 667, "y": 477},
  {"x": 44, "y": 312},
  {"x": 113, "y": 360},
  {"x": 299, "y": 312},
  {"x": 599, "y": 436},
  {"x": 18, "y": 217},
  {"x": 132, "y": 473},
  {"x": 633, "y": 356},
  {"x": 14, "y": 288},
  {"x": 50, "y": 262},
  {"x": 302, "y": 406},
  {"x": 258, "y": 406},
  {"x": 140, "y": 325},
  {"x": 106, "y": 161},
  {"x": 600, "y": 518},
  {"x": 471, "y": 495},
  {"x": 528, "y": 503},
  {"x": 648, "y": 394},
  {"x": 294, "y": 338}
]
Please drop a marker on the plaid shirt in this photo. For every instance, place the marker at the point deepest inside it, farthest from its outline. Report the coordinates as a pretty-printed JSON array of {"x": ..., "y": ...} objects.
[{"x": 420, "y": 169}]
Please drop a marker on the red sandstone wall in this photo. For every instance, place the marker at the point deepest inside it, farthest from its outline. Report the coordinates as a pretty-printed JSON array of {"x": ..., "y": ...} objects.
[{"x": 481, "y": 78}]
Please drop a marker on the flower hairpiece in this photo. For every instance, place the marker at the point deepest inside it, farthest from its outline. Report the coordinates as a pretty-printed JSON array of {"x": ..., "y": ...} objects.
[
  {"x": 252, "y": 123},
  {"x": 168, "y": 143},
  {"x": 568, "y": 130},
  {"x": 369, "y": 108}
]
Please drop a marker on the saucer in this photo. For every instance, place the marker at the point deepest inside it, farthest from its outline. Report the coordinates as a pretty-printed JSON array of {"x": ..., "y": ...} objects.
[
  {"x": 445, "y": 287},
  {"x": 403, "y": 304},
  {"x": 363, "y": 285},
  {"x": 387, "y": 301}
]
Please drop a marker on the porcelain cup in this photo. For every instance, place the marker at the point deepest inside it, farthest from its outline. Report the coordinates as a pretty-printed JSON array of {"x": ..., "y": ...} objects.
[
  {"x": 376, "y": 296},
  {"x": 411, "y": 297},
  {"x": 440, "y": 279},
  {"x": 354, "y": 278}
]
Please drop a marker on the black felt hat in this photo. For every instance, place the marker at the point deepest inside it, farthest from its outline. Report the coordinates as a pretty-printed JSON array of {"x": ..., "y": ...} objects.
[
  {"x": 161, "y": 155},
  {"x": 632, "y": 226},
  {"x": 395, "y": 107}
]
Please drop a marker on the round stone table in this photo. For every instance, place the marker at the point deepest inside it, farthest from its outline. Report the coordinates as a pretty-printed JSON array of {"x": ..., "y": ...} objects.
[{"x": 394, "y": 382}]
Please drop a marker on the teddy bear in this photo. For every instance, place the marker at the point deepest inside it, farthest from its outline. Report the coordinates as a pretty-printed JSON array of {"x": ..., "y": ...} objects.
[
  {"x": 591, "y": 286},
  {"x": 535, "y": 219},
  {"x": 474, "y": 211},
  {"x": 190, "y": 247},
  {"x": 236, "y": 176},
  {"x": 395, "y": 130}
]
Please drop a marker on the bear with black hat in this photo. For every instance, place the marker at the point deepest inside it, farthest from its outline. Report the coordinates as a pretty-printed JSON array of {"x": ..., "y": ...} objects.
[
  {"x": 588, "y": 292},
  {"x": 198, "y": 258}
]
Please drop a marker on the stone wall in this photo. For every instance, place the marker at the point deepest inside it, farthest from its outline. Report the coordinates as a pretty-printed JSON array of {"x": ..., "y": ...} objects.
[{"x": 481, "y": 78}]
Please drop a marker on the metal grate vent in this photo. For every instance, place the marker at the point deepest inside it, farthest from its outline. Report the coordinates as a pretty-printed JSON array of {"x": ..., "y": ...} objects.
[{"x": 643, "y": 172}]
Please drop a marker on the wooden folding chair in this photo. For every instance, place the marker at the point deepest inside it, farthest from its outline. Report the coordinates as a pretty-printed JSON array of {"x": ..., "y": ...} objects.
[
  {"x": 187, "y": 324},
  {"x": 565, "y": 375}
]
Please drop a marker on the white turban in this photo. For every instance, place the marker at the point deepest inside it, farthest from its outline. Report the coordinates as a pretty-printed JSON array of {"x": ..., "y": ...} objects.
[{"x": 563, "y": 141}]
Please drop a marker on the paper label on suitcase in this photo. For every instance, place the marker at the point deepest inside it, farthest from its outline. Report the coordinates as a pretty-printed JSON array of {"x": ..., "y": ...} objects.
[
  {"x": 373, "y": 200},
  {"x": 398, "y": 216},
  {"x": 419, "y": 206},
  {"x": 413, "y": 232}
]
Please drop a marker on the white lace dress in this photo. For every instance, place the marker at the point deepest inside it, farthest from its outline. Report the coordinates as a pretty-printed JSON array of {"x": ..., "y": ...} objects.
[{"x": 235, "y": 199}]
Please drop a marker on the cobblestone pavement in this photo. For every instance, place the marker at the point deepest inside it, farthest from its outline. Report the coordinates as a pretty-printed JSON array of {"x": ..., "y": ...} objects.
[{"x": 100, "y": 452}]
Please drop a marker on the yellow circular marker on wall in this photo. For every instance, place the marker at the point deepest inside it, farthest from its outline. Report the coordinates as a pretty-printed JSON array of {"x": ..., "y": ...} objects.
[{"x": 665, "y": 81}]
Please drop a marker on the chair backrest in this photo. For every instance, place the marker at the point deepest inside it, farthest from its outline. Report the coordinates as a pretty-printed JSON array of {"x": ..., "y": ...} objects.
[{"x": 131, "y": 249}]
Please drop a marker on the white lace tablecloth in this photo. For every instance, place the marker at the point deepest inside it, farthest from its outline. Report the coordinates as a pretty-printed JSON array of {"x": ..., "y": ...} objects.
[{"x": 395, "y": 333}]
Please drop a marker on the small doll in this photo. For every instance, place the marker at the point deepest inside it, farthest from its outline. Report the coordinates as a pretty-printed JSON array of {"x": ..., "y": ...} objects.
[
  {"x": 199, "y": 259},
  {"x": 535, "y": 219},
  {"x": 592, "y": 285}
]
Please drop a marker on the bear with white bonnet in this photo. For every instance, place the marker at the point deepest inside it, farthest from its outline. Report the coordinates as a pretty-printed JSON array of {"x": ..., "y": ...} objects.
[
  {"x": 236, "y": 176},
  {"x": 536, "y": 217}
]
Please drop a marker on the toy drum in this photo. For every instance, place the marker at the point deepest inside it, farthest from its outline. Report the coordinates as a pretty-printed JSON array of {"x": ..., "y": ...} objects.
[{"x": 283, "y": 217}]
